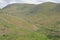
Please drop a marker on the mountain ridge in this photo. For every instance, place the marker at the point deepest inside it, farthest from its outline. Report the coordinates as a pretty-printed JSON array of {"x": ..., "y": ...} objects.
[
  {"x": 30, "y": 4},
  {"x": 30, "y": 22}
]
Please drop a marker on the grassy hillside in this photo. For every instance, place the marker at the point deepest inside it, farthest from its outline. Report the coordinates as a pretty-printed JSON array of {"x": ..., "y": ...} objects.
[{"x": 30, "y": 22}]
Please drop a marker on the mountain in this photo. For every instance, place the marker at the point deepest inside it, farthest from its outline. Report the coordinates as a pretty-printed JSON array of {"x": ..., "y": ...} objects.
[{"x": 30, "y": 22}]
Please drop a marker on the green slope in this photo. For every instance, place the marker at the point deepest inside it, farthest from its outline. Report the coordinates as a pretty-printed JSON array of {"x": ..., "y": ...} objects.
[{"x": 30, "y": 22}]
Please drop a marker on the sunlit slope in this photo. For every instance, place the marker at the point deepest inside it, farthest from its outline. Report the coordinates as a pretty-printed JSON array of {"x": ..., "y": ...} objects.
[
  {"x": 18, "y": 21},
  {"x": 30, "y": 22},
  {"x": 13, "y": 28}
]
